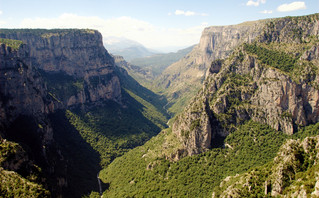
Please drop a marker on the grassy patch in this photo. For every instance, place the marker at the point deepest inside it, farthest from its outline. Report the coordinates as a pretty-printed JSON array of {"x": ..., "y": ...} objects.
[{"x": 14, "y": 44}]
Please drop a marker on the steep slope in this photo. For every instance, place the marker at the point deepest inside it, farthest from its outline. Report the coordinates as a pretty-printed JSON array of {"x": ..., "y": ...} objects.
[
  {"x": 146, "y": 70},
  {"x": 67, "y": 104},
  {"x": 264, "y": 91},
  {"x": 19, "y": 177},
  {"x": 272, "y": 80},
  {"x": 180, "y": 81},
  {"x": 293, "y": 173},
  {"x": 144, "y": 76},
  {"x": 76, "y": 55},
  {"x": 24, "y": 107},
  {"x": 145, "y": 171}
]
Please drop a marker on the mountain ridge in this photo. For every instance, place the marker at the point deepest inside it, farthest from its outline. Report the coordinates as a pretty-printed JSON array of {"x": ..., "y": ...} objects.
[
  {"x": 62, "y": 116},
  {"x": 185, "y": 77},
  {"x": 266, "y": 85},
  {"x": 246, "y": 87}
]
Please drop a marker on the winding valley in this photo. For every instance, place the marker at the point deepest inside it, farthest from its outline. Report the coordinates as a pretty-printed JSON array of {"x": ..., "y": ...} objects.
[{"x": 233, "y": 116}]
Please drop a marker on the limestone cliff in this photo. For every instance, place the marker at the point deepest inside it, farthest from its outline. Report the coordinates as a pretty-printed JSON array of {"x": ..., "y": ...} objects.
[
  {"x": 22, "y": 90},
  {"x": 75, "y": 52},
  {"x": 24, "y": 105},
  {"x": 50, "y": 70},
  {"x": 272, "y": 80},
  {"x": 216, "y": 42},
  {"x": 78, "y": 55}
]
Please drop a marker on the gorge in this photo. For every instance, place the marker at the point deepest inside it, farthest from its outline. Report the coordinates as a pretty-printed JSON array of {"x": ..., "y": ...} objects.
[
  {"x": 244, "y": 103},
  {"x": 56, "y": 88}
]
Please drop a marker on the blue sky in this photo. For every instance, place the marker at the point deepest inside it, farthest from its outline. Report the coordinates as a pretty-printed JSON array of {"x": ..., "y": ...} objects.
[{"x": 154, "y": 23}]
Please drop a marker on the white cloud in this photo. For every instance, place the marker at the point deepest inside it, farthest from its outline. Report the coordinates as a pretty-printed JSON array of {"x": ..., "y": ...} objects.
[
  {"x": 266, "y": 12},
  {"x": 141, "y": 31},
  {"x": 1, "y": 12},
  {"x": 255, "y": 3},
  {"x": 189, "y": 13},
  {"x": 297, "y": 5},
  {"x": 186, "y": 13}
]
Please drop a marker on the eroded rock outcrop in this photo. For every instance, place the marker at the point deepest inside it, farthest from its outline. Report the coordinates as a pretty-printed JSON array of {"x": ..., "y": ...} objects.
[
  {"x": 77, "y": 54},
  {"x": 217, "y": 42},
  {"x": 273, "y": 80},
  {"x": 22, "y": 89},
  {"x": 195, "y": 130},
  {"x": 53, "y": 70},
  {"x": 24, "y": 107}
]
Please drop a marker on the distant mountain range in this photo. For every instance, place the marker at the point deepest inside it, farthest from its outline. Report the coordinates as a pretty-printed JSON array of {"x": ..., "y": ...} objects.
[
  {"x": 129, "y": 49},
  {"x": 159, "y": 62}
]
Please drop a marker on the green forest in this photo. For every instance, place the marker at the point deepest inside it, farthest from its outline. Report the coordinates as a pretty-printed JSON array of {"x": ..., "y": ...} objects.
[{"x": 252, "y": 145}]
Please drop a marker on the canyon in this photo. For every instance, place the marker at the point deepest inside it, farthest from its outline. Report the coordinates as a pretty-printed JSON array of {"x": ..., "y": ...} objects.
[{"x": 69, "y": 110}]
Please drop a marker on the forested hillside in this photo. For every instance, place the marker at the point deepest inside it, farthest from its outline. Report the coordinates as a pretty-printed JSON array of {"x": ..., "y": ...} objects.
[
  {"x": 70, "y": 108},
  {"x": 264, "y": 93}
]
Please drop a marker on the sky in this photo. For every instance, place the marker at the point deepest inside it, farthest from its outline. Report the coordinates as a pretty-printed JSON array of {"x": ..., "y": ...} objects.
[{"x": 157, "y": 24}]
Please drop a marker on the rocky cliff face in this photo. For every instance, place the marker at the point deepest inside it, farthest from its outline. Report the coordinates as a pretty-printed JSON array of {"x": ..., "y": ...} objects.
[
  {"x": 272, "y": 80},
  {"x": 22, "y": 89},
  {"x": 75, "y": 52},
  {"x": 79, "y": 54},
  {"x": 216, "y": 42},
  {"x": 52, "y": 70},
  {"x": 24, "y": 106}
]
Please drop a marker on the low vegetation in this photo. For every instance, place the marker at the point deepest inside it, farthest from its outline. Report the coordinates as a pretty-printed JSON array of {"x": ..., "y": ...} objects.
[
  {"x": 14, "y": 44},
  {"x": 12, "y": 183},
  {"x": 62, "y": 86},
  {"x": 276, "y": 59},
  {"x": 142, "y": 172},
  {"x": 112, "y": 130},
  {"x": 45, "y": 32},
  {"x": 293, "y": 171}
]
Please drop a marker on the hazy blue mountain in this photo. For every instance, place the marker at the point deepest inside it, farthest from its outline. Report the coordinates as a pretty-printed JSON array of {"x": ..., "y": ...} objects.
[
  {"x": 129, "y": 49},
  {"x": 159, "y": 62}
]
